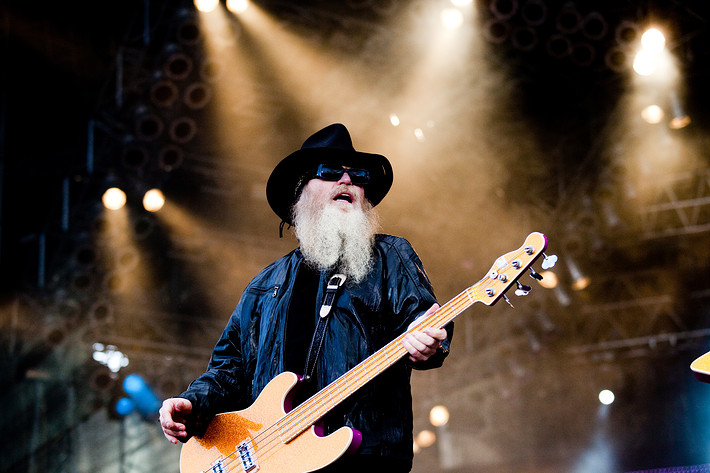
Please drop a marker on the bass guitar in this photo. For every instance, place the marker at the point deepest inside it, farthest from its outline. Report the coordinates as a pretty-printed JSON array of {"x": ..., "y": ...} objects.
[
  {"x": 701, "y": 368},
  {"x": 270, "y": 437}
]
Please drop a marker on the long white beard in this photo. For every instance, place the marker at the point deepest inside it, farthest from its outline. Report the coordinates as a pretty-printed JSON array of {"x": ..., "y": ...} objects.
[{"x": 331, "y": 238}]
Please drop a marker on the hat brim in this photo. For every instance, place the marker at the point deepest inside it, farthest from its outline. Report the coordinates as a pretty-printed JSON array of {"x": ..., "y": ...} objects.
[{"x": 281, "y": 186}]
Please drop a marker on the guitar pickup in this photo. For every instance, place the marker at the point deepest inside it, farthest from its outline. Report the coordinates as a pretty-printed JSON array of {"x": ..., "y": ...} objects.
[
  {"x": 217, "y": 467},
  {"x": 245, "y": 450}
]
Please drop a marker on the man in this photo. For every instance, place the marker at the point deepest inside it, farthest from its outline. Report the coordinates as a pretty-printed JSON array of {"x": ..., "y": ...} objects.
[{"x": 326, "y": 191}]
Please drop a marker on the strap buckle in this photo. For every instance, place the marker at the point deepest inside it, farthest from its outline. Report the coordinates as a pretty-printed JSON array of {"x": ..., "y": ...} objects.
[{"x": 331, "y": 289}]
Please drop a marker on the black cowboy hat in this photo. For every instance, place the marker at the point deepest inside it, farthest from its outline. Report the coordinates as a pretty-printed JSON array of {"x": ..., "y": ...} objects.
[{"x": 331, "y": 145}]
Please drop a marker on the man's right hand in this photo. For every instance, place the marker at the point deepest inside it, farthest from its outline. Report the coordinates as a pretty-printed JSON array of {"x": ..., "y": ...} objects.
[{"x": 173, "y": 415}]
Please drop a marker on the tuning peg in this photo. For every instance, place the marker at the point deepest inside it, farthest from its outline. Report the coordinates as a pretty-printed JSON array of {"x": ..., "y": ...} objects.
[
  {"x": 505, "y": 297},
  {"x": 535, "y": 275},
  {"x": 548, "y": 261},
  {"x": 522, "y": 289}
]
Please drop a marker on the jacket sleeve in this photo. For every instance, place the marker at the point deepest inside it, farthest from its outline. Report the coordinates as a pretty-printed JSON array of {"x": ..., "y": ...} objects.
[
  {"x": 221, "y": 386},
  {"x": 411, "y": 295},
  {"x": 228, "y": 383}
]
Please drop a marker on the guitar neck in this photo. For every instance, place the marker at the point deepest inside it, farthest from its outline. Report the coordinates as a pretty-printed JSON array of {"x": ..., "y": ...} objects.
[
  {"x": 310, "y": 411},
  {"x": 505, "y": 271}
]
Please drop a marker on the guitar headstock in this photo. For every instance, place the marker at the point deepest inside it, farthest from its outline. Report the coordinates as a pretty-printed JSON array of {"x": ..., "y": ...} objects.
[{"x": 508, "y": 268}]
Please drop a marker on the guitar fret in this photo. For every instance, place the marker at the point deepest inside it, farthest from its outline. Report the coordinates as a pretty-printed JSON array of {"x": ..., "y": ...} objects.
[
  {"x": 347, "y": 387},
  {"x": 329, "y": 392}
]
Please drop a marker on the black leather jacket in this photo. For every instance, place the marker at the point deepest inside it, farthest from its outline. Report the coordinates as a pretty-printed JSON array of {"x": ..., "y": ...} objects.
[{"x": 364, "y": 318}]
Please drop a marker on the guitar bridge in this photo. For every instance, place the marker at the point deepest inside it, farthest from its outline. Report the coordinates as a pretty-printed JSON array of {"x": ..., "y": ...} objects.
[
  {"x": 245, "y": 450},
  {"x": 217, "y": 467}
]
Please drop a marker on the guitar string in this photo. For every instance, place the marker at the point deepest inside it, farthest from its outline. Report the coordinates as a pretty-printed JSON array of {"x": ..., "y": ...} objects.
[
  {"x": 399, "y": 350},
  {"x": 441, "y": 315},
  {"x": 297, "y": 418},
  {"x": 300, "y": 421},
  {"x": 267, "y": 448},
  {"x": 394, "y": 348}
]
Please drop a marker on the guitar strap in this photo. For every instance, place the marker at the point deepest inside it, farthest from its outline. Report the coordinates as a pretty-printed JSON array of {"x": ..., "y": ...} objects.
[{"x": 331, "y": 290}]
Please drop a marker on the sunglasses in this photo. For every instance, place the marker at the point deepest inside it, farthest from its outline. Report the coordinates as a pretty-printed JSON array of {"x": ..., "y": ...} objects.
[{"x": 358, "y": 177}]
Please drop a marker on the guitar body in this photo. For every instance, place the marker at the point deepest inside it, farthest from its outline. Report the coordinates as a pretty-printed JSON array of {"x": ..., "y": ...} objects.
[
  {"x": 701, "y": 368},
  {"x": 216, "y": 451}
]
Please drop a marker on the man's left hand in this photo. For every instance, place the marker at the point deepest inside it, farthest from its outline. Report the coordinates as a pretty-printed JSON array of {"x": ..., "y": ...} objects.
[{"x": 423, "y": 344}]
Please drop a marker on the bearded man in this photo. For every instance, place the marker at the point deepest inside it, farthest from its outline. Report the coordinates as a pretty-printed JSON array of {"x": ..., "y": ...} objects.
[{"x": 327, "y": 192}]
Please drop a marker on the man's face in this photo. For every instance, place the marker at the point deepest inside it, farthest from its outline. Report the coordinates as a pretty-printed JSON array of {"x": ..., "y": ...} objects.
[
  {"x": 342, "y": 194},
  {"x": 335, "y": 224}
]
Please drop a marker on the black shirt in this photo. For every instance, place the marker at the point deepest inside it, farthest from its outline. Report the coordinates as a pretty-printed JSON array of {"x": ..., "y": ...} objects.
[{"x": 301, "y": 319}]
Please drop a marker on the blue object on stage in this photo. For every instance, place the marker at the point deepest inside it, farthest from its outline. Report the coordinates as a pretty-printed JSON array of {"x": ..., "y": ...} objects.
[
  {"x": 141, "y": 394},
  {"x": 124, "y": 406}
]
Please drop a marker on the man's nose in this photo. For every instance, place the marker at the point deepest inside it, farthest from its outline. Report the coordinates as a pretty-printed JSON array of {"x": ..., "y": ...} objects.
[{"x": 345, "y": 179}]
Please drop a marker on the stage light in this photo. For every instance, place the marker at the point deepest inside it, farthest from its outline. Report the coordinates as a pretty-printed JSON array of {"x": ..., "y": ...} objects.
[
  {"x": 559, "y": 46},
  {"x": 579, "y": 280},
  {"x": 561, "y": 295},
  {"x": 583, "y": 54},
  {"x": 114, "y": 198},
  {"x": 653, "y": 40},
  {"x": 149, "y": 126},
  {"x": 164, "y": 93},
  {"x": 679, "y": 121},
  {"x": 153, "y": 200},
  {"x": 124, "y": 406},
  {"x": 680, "y": 118},
  {"x": 496, "y": 31},
  {"x": 170, "y": 157},
  {"x": 648, "y": 59},
  {"x": 569, "y": 20},
  {"x": 425, "y": 438},
  {"x": 524, "y": 38},
  {"x": 451, "y": 18},
  {"x": 595, "y": 26},
  {"x": 616, "y": 59},
  {"x": 197, "y": 95},
  {"x": 178, "y": 66},
  {"x": 652, "y": 114},
  {"x": 85, "y": 256},
  {"x": 206, "y": 6},
  {"x": 101, "y": 312},
  {"x": 237, "y": 6},
  {"x": 55, "y": 334},
  {"x": 189, "y": 33},
  {"x": 606, "y": 397},
  {"x": 645, "y": 63},
  {"x": 438, "y": 416},
  {"x": 211, "y": 70},
  {"x": 626, "y": 33},
  {"x": 419, "y": 134},
  {"x": 549, "y": 280},
  {"x": 503, "y": 9},
  {"x": 534, "y": 12},
  {"x": 183, "y": 129},
  {"x": 110, "y": 357},
  {"x": 141, "y": 394}
]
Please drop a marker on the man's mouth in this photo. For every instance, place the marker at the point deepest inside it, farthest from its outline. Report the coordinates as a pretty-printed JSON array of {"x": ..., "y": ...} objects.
[{"x": 344, "y": 196}]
